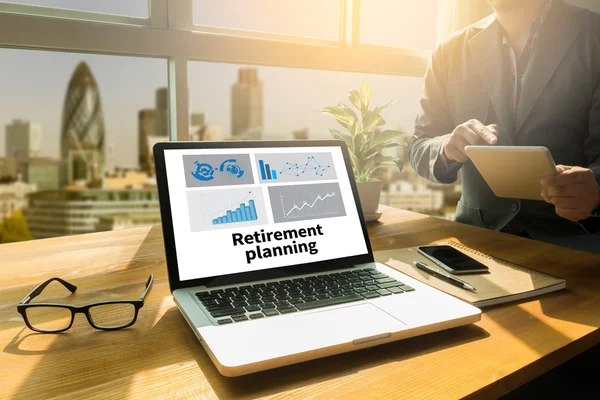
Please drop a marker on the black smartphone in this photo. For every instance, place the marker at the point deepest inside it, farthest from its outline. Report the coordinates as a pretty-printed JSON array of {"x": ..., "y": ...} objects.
[{"x": 452, "y": 260}]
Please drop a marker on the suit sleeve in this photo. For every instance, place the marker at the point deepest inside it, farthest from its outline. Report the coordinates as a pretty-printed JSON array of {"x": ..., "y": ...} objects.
[
  {"x": 592, "y": 143},
  {"x": 433, "y": 125}
]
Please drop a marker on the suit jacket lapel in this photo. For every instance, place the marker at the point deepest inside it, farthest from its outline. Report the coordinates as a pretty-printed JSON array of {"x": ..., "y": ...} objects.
[
  {"x": 557, "y": 35},
  {"x": 487, "y": 55}
]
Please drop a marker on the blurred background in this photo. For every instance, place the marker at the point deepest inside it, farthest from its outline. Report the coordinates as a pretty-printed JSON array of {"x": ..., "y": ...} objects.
[{"x": 87, "y": 87}]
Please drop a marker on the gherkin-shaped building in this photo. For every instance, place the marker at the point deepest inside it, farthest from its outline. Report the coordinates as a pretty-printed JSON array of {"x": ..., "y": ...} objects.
[{"x": 82, "y": 131}]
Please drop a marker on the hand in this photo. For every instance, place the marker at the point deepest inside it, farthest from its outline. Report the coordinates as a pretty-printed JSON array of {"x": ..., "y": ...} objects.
[
  {"x": 574, "y": 192},
  {"x": 471, "y": 132}
]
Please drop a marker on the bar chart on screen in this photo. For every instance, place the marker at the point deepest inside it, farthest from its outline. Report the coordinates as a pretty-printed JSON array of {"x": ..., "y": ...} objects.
[
  {"x": 245, "y": 212},
  {"x": 226, "y": 208}
]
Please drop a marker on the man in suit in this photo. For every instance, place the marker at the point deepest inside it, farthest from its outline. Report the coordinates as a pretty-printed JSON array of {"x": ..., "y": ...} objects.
[{"x": 528, "y": 75}]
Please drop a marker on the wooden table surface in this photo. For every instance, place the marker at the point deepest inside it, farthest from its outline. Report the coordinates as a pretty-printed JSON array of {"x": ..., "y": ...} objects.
[{"x": 160, "y": 357}]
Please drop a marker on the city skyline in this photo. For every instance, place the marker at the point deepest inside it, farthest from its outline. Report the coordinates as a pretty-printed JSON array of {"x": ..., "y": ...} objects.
[{"x": 128, "y": 85}]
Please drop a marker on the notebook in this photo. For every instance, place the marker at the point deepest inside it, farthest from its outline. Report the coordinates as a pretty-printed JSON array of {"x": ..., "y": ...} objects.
[{"x": 505, "y": 281}]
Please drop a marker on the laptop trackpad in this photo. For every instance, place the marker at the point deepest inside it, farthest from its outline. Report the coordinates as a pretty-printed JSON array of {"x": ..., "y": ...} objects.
[{"x": 280, "y": 336}]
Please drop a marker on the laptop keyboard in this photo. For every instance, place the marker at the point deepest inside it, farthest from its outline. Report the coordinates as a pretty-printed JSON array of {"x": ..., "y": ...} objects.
[{"x": 291, "y": 295}]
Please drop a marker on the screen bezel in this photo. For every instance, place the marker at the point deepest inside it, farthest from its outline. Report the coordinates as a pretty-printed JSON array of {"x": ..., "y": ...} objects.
[{"x": 271, "y": 273}]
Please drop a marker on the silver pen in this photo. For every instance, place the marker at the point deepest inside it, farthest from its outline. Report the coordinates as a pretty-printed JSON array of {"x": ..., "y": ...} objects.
[{"x": 450, "y": 279}]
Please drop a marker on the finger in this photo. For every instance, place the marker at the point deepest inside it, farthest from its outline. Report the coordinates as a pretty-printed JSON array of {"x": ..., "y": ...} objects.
[
  {"x": 571, "y": 215},
  {"x": 483, "y": 131},
  {"x": 574, "y": 190},
  {"x": 470, "y": 136},
  {"x": 562, "y": 168},
  {"x": 567, "y": 203},
  {"x": 569, "y": 177},
  {"x": 545, "y": 196},
  {"x": 455, "y": 149}
]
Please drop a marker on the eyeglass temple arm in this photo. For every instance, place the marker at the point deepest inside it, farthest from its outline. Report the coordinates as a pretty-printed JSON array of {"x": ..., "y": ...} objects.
[
  {"x": 39, "y": 288},
  {"x": 148, "y": 287}
]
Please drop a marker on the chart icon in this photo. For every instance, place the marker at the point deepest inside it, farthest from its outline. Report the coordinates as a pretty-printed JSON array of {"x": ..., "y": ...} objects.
[
  {"x": 295, "y": 167},
  {"x": 266, "y": 173},
  {"x": 241, "y": 214},
  {"x": 306, "y": 202},
  {"x": 226, "y": 208}
]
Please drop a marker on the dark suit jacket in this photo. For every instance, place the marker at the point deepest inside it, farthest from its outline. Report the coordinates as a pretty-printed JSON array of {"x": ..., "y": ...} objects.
[{"x": 559, "y": 108}]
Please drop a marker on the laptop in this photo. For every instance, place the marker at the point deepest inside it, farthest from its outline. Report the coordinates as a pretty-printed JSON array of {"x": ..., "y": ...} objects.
[{"x": 269, "y": 260}]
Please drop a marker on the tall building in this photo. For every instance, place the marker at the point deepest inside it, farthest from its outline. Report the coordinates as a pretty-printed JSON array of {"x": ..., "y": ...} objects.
[
  {"x": 162, "y": 112},
  {"x": 247, "y": 104},
  {"x": 82, "y": 134},
  {"x": 43, "y": 172},
  {"x": 72, "y": 212},
  {"x": 23, "y": 140},
  {"x": 197, "y": 127},
  {"x": 146, "y": 129}
]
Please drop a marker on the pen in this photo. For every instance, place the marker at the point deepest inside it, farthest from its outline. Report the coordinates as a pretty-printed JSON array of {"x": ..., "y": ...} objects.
[{"x": 450, "y": 279}]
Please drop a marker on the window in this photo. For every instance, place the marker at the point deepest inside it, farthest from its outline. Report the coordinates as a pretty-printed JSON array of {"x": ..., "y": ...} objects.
[
  {"x": 282, "y": 103},
  {"x": 74, "y": 131},
  {"x": 130, "y": 8},
  {"x": 308, "y": 18},
  {"x": 399, "y": 23}
]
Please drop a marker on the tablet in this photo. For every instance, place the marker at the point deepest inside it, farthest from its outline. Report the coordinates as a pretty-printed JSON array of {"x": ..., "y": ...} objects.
[{"x": 513, "y": 171}]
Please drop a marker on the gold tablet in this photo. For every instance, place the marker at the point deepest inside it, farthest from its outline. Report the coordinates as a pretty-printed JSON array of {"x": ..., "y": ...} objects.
[{"x": 513, "y": 171}]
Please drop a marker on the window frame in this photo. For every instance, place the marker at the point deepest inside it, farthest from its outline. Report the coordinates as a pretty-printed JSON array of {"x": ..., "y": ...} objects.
[{"x": 169, "y": 33}]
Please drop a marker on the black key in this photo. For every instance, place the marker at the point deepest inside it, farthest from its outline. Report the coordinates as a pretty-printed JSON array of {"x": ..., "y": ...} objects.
[
  {"x": 209, "y": 302},
  {"x": 240, "y": 304},
  {"x": 323, "y": 296},
  {"x": 296, "y": 300},
  {"x": 227, "y": 311},
  {"x": 238, "y": 318},
  {"x": 370, "y": 295},
  {"x": 245, "y": 287},
  {"x": 254, "y": 301},
  {"x": 282, "y": 303},
  {"x": 268, "y": 299},
  {"x": 360, "y": 290},
  {"x": 384, "y": 292},
  {"x": 371, "y": 287},
  {"x": 329, "y": 302},
  {"x": 298, "y": 280},
  {"x": 256, "y": 315},
  {"x": 218, "y": 307},
  {"x": 395, "y": 290},
  {"x": 216, "y": 291},
  {"x": 252, "y": 308},
  {"x": 407, "y": 288},
  {"x": 348, "y": 291},
  {"x": 379, "y": 276},
  {"x": 259, "y": 285},
  {"x": 286, "y": 310},
  {"x": 385, "y": 280},
  {"x": 267, "y": 305},
  {"x": 389, "y": 285},
  {"x": 310, "y": 298},
  {"x": 270, "y": 312},
  {"x": 224, "y": 321}
]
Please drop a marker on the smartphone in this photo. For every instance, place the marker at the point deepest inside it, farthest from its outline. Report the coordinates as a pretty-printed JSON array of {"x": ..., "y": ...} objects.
[{"x": 452, "y": 260}]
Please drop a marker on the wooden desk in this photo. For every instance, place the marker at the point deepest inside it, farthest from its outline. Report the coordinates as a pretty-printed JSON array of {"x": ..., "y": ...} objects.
[{"x": 160, "y": 357}]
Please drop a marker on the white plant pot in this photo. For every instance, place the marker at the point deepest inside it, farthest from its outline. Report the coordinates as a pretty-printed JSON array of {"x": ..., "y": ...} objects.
[{"x": 369, "y": 193}]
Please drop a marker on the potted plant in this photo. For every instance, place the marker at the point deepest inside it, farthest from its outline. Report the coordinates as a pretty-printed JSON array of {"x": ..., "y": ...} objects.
[{"x": 366, "y": 141}]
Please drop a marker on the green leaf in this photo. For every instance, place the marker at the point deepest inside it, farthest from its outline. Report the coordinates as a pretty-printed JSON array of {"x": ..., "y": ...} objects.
[
  {"x": 371, "y": 119},
  {"x": 365, "y": 95},
  {"x": 388, "y": 135},
  {"x": 354, "y": 97},
  {"x": 342, "y": 136},
  {"x": 343, "y": 114},
  {"x": 379, "y": 109}
]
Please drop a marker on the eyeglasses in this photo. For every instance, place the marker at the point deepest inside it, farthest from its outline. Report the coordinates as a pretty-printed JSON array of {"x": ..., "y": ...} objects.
[{"x": 54, "y": 318}]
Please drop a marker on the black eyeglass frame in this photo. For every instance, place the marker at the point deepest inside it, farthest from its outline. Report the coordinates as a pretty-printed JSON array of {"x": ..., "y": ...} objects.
[{"x": 24, "y": 305}]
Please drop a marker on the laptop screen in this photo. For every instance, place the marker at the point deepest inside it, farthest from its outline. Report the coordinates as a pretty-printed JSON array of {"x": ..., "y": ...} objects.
[{"x": 246, "y": 209}]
